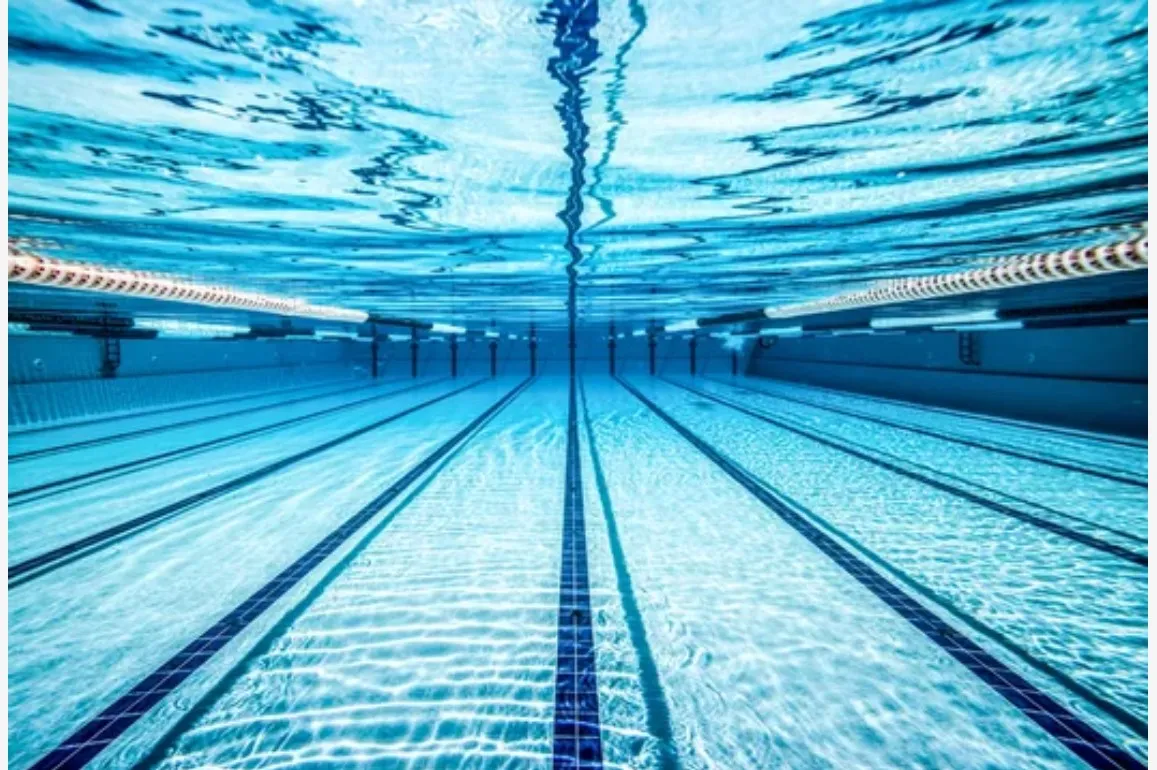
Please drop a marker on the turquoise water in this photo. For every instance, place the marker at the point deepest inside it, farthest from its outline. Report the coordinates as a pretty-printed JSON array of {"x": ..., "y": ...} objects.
[
  {"x": 250, "y": 553},
  {"x": 723, "y": 638},
  {"x": 448, "y": 161}
]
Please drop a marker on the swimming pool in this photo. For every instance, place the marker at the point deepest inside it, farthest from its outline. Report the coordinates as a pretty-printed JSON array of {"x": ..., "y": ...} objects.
[
  {"x": 577, "y": 384},
  {"x": 743, "y": 584}
]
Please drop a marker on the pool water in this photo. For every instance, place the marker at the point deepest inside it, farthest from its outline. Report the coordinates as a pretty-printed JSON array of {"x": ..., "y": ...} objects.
[{"x": 649, "y": 572}]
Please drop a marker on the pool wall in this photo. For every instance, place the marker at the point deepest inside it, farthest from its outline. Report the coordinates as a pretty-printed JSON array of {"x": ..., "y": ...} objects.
[
  {"x": 60, "y": 377},
  {"x": 1092, "y": 378}
]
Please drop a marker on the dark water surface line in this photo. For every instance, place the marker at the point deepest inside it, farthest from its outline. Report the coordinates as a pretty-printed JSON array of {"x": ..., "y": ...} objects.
[
  {"x": 85, "y": 744},
  {"x": 1054, "y": 718},
  {"x": 577, "y": 733}
]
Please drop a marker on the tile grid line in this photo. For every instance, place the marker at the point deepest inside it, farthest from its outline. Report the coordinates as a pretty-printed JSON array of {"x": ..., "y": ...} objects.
[
  {"x": 577, "y": 743},
  {"x": 1070, "y": 730},
  {"x": 92, "y": 738}
]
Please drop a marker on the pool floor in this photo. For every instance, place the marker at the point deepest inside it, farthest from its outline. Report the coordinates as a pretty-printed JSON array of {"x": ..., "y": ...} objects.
[{"x": 643, "y": 572}]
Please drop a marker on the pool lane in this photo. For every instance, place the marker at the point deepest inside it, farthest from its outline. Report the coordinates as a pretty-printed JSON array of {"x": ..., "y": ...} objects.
[
  {"x": 93, "y": 454},
  {"x": 128, "y": 415},
  {"x": 45, "y": 525},
  {"x": 65, "y": 475},
  {"x": 1103, "y": 514},
  {"x": 81, "y": 636},
  {"x": 437, "y": 645},
  {"x": 1079, "y": 612},
  {"x": 53, "y": 439},
  {"x": 1125, "y": 459},
  {"x": 770, "y": 654}
]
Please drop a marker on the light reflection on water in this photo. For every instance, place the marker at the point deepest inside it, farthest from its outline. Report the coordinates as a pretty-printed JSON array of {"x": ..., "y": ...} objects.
[{"x": 411, "y": 157}]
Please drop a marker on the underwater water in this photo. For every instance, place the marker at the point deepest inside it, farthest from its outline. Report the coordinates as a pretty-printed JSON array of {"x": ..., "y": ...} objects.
[
  {"x": 450, "y": 160},
  {"x": 235, "y": 542}
]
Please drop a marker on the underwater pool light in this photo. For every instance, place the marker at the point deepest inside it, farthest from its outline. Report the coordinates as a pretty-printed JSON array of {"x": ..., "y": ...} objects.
[
  {"x": 901, "y": 322},
  {"x": 782, "y": 331},
  {"x": 682, "y": 326},
  {"x": 440, "y": 328},
  {"x": 171, "y": 327}
]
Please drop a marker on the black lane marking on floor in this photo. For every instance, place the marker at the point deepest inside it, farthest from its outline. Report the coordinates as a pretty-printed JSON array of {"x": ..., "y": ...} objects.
[
  {"x": 85, "y": 744},
  {"x": 71, "y": 483},
  {"x": 577, "y": 734},
  {"x": 85, "y": 422},
  {"x": 38, "y": 566},
  {"x": 1123, "y": 716},
  {"x": 999, "y": 449},
  {"x": 1073, "y": 732},
  {"x": 975, "y": 484},
  {"x": 99, "y": 440},
  {"x": 654, "y": 699},
  {"x": 1140, "y": 559},
  {"x": 277, "y": 630}
]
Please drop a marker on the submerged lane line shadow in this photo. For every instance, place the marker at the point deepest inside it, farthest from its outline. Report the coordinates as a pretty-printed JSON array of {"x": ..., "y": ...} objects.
[
  {"x": 72, "y": 483},
  {"x": 1054, "y": 718},
  {"x": 654, "y": 699},
  {"x": 91, "y": 739},
  {"x": 38, "y": 566},
  {"x": 1139, "y": 559},
  {"x": 295, "y": 613}
]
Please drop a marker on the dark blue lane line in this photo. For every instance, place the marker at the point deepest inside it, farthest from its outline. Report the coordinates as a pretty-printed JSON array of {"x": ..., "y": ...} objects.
[
  {"x": 977, "y": 485},
  {"x": 277, "y": 630},
  {"x": 49, "y": 561},
  {"x": 1089, "y": 470},
  {"x": 99, "y": 440},
  {"x": 654, "y": 699},
  {"x": 85, "y": 422},
  {"x": 577, "y": 732},
  {"x": 80, "y": 480},
  {"x": 85, "y": 744},
  {"x": 877, "y": 459},
  {"x": 1122, "y": 715},
  {"x": 1069, "y": 729}
]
